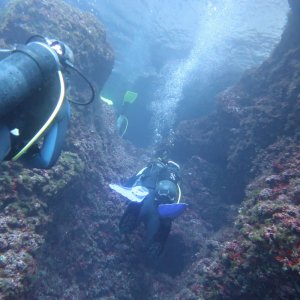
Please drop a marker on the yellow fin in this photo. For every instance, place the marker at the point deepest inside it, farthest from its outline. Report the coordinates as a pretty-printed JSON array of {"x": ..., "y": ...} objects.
[{"x": 130, "y": 97}]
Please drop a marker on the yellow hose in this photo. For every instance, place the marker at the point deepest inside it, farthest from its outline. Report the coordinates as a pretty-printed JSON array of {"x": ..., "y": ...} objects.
[{"x": 49, "y": 121}]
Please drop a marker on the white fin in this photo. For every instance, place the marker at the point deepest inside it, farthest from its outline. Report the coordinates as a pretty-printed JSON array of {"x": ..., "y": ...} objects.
[{"x": 135, "y": 194}]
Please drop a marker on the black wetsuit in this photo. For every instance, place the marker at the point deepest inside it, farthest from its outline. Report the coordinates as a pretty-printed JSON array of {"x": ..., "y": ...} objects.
[{"x": 157, "y": 228}]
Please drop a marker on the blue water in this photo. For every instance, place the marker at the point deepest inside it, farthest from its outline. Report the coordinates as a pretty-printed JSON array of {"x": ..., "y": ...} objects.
[{"x": 176, "y": 49}]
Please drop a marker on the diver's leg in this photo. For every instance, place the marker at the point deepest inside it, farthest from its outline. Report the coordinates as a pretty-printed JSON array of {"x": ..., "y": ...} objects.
[
  {"x": 53, "y": 142},
  {"x": 4, "y": 142},
  {"x": 156, "y": 245},
  {"x": 152, "y": 224},
  {"x": 150, "y": 216},
  {"x": 130, "y": 218}
]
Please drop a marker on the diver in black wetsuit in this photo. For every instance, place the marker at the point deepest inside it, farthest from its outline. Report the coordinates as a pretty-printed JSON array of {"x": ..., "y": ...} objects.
[
  {"x": 158, "y": 208},
  {"x": 34, "y": 114}
]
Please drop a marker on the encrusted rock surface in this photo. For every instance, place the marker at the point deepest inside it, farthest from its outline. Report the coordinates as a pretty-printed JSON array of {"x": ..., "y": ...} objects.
[
  {"x": 26, "y": 195},
  {"x": 254, "y": 140},
  {"x": 261, "y": 260},
  {"x": 239, "y": 238}
]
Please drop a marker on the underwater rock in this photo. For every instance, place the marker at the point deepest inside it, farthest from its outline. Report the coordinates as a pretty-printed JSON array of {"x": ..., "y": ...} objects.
[
  {"x": 267, "y": 243},
  {"x": 24, "y": 218},
  {"x": 262, "y": 107},
  {"x": 71, "y": 212},
  {"x": 26, "y": 196},
  {"x": 254, "y": 137},
  {"x": 273, "y": 180}
]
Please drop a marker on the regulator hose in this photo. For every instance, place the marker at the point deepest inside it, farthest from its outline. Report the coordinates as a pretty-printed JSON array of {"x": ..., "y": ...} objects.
[
  {"x": 67, "y": 63},
  {"x": 92, "y": 98}
]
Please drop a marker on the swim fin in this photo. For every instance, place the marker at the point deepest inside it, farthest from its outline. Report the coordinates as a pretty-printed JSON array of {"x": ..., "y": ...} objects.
[
  {"x": 122, "y": 125},
  {"x": 130, "y": 97},
  {"x": 134, "y": 194},
  {"x": 122, "y": 121},
  {"x": 171, "y": 210}
]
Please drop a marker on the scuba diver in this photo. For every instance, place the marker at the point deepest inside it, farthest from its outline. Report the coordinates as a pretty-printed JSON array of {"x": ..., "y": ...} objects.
[
  {"x": 155, "y": 195},
  {"x": 122, "y": 120},
  {"x": 34, "y": 113}
]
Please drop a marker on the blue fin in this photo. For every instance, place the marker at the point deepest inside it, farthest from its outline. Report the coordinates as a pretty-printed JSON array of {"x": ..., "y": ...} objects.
[
  {"x": 52, "y": 143},
  {"x": 5, "y": 142},
  {"x": 134, "y": 194},
  {"x": 171, "y": 210}
]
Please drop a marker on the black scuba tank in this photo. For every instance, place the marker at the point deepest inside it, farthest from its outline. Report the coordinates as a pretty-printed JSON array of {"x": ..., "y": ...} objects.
[{"x": 26, "y": 70}]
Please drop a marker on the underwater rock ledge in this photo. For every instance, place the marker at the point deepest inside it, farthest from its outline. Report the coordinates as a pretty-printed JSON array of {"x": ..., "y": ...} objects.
[
  {"x": 26, "y": 195},
  {"x": 254, "y": 138},
  {"x": 24, "y": 217}
]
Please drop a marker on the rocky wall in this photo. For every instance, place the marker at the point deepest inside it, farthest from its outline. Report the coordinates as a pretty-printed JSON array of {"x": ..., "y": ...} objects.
[
  {"x": 28, "y": 197},
  {"x": 24, "y": 217},
  {"x": 245, "y": 142},
  {"x": 253, "y": 139},
  {"x": 59, "y": 228},
  {"x": 251, "y": 115}
]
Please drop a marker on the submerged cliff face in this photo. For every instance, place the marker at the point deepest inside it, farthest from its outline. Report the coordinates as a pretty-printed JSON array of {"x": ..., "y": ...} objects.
[
  {"x": 59, "y": 228},
  {"x": 262, "y": 107},
  {"x": 254, "y": 139},
  {"x": 29, "y": 198}
]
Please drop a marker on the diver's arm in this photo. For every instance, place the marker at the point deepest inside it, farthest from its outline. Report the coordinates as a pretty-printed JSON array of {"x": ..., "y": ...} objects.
[
  {"x": 53, "y": 142},
  {"x": 132, "y": 180},
  {"x": 4, "y": 141}
]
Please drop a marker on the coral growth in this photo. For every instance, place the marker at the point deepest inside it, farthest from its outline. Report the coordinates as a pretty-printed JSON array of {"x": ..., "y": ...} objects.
[
  {"x": 262, "y": 261},
  {"x": 25, "y": 196}
]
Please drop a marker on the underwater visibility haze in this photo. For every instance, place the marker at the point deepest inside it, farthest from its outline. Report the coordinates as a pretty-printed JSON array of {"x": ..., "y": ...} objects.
[
  {"x": 192, "y": 133},
  {"x": 182, "y": 45}
]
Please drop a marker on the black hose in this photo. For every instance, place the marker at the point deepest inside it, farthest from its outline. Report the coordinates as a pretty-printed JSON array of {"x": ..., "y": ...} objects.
[
  {"x": 36, "y": 36},
  {"x": 70, "y": 65}
]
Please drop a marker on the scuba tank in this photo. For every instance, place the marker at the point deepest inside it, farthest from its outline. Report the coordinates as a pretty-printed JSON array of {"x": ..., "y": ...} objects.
[
  {"x": 28, "y": 68},
  {"x": 25, "y": 70},
  {"x": 28, "y": 72}
]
